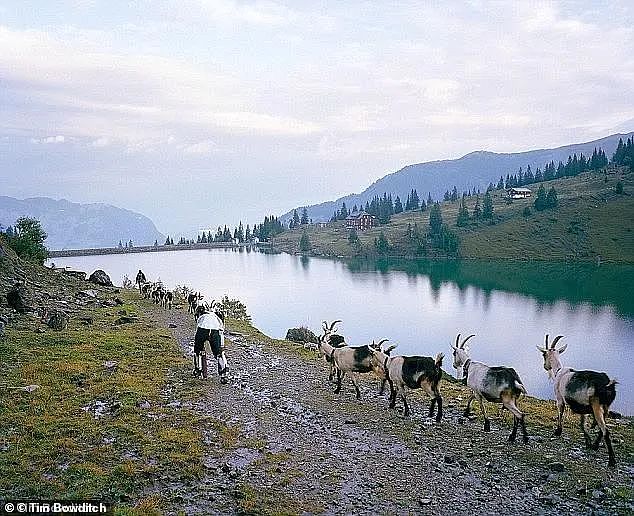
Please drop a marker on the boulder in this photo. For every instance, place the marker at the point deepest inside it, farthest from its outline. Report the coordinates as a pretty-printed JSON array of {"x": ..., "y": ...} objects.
[
  {"x": 99, "y": 277},
  {"x": 301, "y": 335},
  {"x": 18, "y": 298},
  {"x": 57, "y": 320}
]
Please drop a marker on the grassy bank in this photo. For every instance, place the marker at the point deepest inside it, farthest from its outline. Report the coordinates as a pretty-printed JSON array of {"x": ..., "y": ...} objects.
[
  {"x": 87, "y": 430},
  {"x": 592, "y": 221}
]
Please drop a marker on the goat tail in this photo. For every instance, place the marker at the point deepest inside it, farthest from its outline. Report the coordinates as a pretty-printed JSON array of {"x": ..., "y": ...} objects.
[
  {"x": 607, "y": 393},
  {"x": 521, "y": 387},
  {"x": 438, "y": 359}
]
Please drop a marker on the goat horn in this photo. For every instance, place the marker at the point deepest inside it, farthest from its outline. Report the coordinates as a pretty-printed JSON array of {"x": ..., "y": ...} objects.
[
  {"x": 457, "y": 340},
  {"x": 547, "y": 346},
  {"x": 465, "y": 341},
  {"x": 381, "y": 342},
  {"x": 390, "y": 349},
  {"x": 556, "y": 340},
  {"x": 333, "y": 324}
]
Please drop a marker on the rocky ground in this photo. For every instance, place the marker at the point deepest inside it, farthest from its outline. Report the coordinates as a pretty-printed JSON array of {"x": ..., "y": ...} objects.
[{"x": 287, "y": 444}]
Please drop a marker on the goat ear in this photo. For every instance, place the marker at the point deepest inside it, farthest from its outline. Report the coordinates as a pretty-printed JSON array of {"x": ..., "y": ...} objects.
[
  {"x": 562, "y": 348},
  {"x": 541, "y": 350}
]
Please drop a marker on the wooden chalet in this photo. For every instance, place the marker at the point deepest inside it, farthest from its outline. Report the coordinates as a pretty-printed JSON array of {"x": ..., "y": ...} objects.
[{"x": 360, "y": 221}]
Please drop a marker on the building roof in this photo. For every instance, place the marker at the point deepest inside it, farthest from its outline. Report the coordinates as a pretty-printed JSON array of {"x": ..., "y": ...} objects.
[
  {"x": 516, "y": 189},
  {"x": 354, "y": 216}
]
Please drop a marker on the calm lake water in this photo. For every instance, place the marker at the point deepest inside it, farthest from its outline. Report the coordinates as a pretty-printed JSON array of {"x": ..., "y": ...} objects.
[{"x": 420, "y": 305}]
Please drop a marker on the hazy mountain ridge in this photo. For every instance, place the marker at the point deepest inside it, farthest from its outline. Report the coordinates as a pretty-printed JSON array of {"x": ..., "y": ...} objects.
[
  {"x": 75, "y": 225},
  {"x": 473, "y": 170}
]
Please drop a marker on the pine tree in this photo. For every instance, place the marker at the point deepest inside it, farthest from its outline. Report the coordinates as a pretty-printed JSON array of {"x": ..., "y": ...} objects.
[
  {"x": 435, "y": 220},
  {"x": 454, "y": 194},
  {"x": 500, "y": 185},
  {"x": 304, "y": 243},
  {"x": 463, "y": 213},
  {"x": 247, "y": 234},
  {"x": 429, "y": 199},
  {"x": 295, "y": 219},
  {"x": 304, "y": 219},
  {"x": 540, "y": 199},
  {"x": 551, "y": 198},
  {"x": 120, "y": 243},
  {"x": 353, "y": 236},
  {"x": 487, "y": 207},
  {"x": 398, "y": 207},
  {"x": 381, "y": 244},
  {"x": 477, "y": 211}
]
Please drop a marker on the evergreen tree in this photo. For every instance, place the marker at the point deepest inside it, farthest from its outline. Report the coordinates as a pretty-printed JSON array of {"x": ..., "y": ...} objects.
[
  {"x": 429, "y": 199},
  {"x": 500, "y": 185},
  {"x": 247, "y": 235},
  {"x": 295, "y": 219},
  {"x": 381, "y": 244},
  {"x": 198, "y": 240},
  {"x": 423, "y": 205},
  {"x": 414, "y": 202},
  {"x": 463, "y": 213},
  {"x": 353, "y": 236},
  {"x": 619, "y": 187},
  {"x": 487, "y": 207},
  {"x": 155, "y": 243},
  {"x": 477, "y": 211},
  {"x": 304, "y": 219},
  {"x": 398, "y": 207},
  {"x": 304, "y": 243},
  {"x": 551, "y": 198},
  {"x": 540, "y": 199},
  {"x": 355, "y": 209},
  {"x": 435, "y": 220},
  {"x": 454, "y": 194},
  {"x": 120, "y": 243}
]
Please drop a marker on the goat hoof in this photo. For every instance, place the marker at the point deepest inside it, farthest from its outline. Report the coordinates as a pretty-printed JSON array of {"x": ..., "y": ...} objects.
[
  {"x": 487, "y": 426},
  {"x": 557, "y": 432},
  {"x": 511, "y": 438}
]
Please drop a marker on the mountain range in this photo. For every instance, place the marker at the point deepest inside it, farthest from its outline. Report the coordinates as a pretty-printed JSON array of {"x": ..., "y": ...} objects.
[
  {"x": 72, "y": 225},
  {"x": 474, "y": 170}
]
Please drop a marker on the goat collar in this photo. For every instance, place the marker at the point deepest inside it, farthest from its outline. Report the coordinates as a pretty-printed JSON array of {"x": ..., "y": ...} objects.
[{"x": 465, "y": 370}]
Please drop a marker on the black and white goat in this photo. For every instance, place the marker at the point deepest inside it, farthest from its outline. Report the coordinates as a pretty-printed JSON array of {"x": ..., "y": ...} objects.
[
  {"x": 408, "y": 373},
  {"x": 193, "y": 299},
  {"x": 336, "y": 341},
  {"x": 348, "y": 360},
  {"x": 495, "y": 384},
  {"x": 585, "y": 392}
]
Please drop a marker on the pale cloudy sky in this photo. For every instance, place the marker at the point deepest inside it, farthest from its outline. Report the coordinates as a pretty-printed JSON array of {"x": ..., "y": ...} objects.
[{"x": 200, "y": 112}]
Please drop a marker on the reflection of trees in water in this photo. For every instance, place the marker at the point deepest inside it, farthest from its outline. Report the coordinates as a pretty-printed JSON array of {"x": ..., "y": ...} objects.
[
  {"x": 304, "y": 260},
  {"x": 546, "y": 282}
]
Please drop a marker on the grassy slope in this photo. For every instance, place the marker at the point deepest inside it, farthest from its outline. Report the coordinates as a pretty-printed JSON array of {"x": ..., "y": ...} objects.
[
  {"x": 591, "y": 220},
  {"x": 54, "y": 448}
]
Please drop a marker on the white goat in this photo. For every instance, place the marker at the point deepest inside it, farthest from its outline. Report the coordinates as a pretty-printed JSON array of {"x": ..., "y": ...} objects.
[
  {"x": 495, "y": 384},
  {"x": 585, "y": 392}
]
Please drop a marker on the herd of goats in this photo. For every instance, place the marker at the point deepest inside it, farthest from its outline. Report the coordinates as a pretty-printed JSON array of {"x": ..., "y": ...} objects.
[{"x": 584, "y": 392}]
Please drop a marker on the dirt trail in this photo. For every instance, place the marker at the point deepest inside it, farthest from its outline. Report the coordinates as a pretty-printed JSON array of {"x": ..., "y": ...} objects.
[{"x": 279, "y": 439}]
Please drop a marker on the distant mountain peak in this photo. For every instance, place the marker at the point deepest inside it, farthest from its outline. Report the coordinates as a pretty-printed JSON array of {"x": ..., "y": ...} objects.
[
  {"x": 74, "y": 225},
  {"x": 473, "y": 170}
]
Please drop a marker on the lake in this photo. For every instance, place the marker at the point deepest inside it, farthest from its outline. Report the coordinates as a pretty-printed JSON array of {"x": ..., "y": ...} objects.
[{"x": 420, "y": 305}]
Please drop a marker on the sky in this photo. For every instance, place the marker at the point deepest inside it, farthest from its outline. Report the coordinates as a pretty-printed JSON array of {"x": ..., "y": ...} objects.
[{"x": 205, "y": 112}]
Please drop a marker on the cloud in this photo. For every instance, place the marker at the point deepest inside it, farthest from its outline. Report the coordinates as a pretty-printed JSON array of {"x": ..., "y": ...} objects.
[{"x": 49, "y": 139}]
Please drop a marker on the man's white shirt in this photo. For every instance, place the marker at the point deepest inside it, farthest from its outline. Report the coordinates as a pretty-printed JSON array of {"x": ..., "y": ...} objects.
[{"x": 210, "y": 321}]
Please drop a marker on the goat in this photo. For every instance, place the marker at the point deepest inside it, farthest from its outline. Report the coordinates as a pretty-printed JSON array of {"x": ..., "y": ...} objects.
[
  {"x": 495, "y": 384},
  {"x": 168, "y": 299},
  {"x": 336, "y": 341},
  {"x": 192, "y": 300},
  {"x": 404, "y": 373},
  {"x": 352, "y": 360},
  {"x": 585, "y": 392},
  {"x": 146, "y": 290}
]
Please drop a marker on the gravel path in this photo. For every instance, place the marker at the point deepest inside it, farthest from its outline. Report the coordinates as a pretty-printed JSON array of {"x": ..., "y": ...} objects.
[{"x": 279, "y": 440}]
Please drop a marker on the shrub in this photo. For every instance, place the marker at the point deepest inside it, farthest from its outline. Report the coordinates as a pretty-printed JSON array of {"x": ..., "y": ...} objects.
[{"x": 235, "y": 309}]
